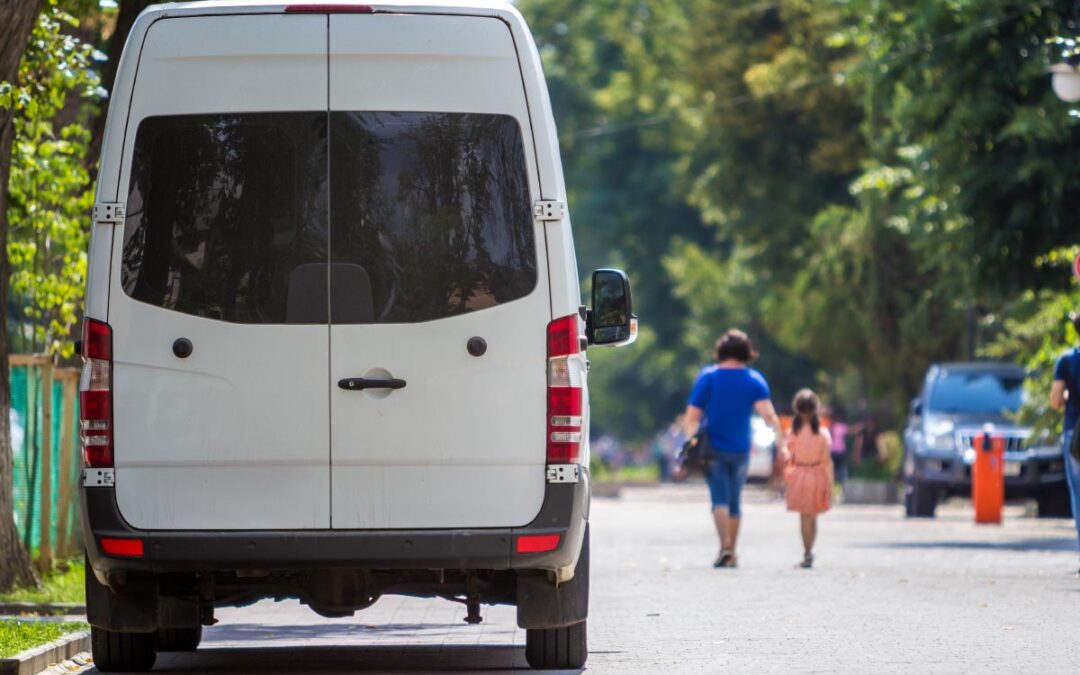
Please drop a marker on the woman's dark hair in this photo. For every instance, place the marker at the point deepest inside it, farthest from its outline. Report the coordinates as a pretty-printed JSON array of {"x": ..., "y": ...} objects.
[
  {"x": 806, "y": 405},
  {"x": 1076, "y": 321},
  {"x": 736, "y": 345}
]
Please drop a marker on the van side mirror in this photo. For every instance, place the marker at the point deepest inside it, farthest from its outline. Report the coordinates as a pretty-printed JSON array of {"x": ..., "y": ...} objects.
[
  {"x": 916, "y": 407},
  {"x": 611, "y": 321}
]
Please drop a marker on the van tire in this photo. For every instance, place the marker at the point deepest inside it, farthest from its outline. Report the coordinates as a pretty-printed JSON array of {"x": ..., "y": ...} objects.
[
  {"x": 122, "y": 652},
  {"x": 1054, "y": 503},
  {"x": 179, "y": 639},
  {"x": 557, "y": 648},
  {"x": 920, "y": 501}
]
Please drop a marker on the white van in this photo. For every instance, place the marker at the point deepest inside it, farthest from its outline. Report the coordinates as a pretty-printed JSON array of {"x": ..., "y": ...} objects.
[{"x": 333, "y": 341}]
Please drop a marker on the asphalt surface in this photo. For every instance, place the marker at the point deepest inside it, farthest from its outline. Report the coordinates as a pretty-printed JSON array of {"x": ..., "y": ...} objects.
[{"x": 887, "y": 595}]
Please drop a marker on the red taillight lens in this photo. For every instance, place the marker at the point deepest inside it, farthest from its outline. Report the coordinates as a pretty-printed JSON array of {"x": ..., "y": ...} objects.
[
  {"x": 97, "y": 340},
  {"x": 537, "y": 543},
  {"x": 95, "y": 396},
  {"x": 562, "y": 336},
  {"x": 565, "y": 379},
  {"x": 329, "y": 9},
  {"x": 132, "y": 548}
]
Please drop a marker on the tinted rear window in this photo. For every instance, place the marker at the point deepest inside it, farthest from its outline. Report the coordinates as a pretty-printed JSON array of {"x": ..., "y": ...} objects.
[
  {"x": 227, "y": 216},
  {"x": 419, "y": 216},
  {"x": 430, "y": 214}
]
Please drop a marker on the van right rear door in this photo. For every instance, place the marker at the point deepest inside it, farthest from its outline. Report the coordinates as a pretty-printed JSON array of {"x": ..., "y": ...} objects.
[
  {"x": 225, "y": 181},
  {"x": 433, "y": 247}
]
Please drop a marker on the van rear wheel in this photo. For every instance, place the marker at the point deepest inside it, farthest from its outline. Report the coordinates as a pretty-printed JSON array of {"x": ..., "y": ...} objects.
[
  {"x": 554, "y": 648},
  {"x": 179, "y": 639},
  {"x": 122, "y": 652}
]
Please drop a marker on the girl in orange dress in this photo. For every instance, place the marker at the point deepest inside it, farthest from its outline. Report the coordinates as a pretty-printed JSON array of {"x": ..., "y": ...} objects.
[{"x": 810, "y": 472}]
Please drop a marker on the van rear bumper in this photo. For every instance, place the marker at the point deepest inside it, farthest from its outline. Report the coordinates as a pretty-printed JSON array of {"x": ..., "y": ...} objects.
[{"x": 564, "y": 512}]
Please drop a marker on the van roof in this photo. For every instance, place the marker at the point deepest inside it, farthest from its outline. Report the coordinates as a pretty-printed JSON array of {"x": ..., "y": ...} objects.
[{"x": 474, "y": 7}]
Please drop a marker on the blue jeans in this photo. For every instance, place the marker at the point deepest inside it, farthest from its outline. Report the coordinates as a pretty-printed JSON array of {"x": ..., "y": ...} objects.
[
  {"x": 726, "y": 479},
  {"x": 1072, "y": 476}
]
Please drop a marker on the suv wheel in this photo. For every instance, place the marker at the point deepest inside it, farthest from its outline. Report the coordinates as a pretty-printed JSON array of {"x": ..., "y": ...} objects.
[
  {"x": 179, "y": 639},
  {"x": 122, "y": 652},
  {"x": 1054, "y": 503},
  {"x": 920, "y": 501},
  {"x": 557, "y": 648}
]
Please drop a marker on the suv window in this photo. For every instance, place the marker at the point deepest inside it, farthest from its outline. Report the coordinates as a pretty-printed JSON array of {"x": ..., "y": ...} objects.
[
  {"x": 423, "y": 216},
  {"x": 227, "y": 216},
  {"x": 430, "y": 216},
  {"x": 970, "y": 391}
]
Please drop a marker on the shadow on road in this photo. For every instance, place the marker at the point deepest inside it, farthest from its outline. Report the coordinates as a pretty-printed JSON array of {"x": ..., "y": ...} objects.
[
  {"x": 1044, "y": 544},
  {"x": 381, "y": 659}
]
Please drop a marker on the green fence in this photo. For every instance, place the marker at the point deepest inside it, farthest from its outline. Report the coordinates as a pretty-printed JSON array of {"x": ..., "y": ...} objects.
[{"x": 44, "y": 435}]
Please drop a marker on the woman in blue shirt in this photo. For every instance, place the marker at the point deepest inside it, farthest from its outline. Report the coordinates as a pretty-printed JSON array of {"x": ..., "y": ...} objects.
[
  {"x": 1065, "y": 395},
  {"x": 727, "y": 395}
]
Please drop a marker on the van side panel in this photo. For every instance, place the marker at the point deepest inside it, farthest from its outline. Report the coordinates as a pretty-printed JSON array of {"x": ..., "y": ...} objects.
[{"x": 235, "y": 436}]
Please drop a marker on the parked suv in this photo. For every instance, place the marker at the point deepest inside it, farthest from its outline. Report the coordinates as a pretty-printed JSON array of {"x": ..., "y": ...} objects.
[
  {"x": 333, "y": 343},
  {"x": 958, "y": 402}
]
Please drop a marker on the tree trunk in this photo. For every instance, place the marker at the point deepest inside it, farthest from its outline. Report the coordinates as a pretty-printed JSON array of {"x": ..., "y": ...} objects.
[
  {"x": 17, "y": 17},
  {"x": 129, "y": 11}
]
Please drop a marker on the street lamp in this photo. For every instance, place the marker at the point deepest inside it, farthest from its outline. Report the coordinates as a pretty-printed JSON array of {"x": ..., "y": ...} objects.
[{"x": 1065, "y": 80}]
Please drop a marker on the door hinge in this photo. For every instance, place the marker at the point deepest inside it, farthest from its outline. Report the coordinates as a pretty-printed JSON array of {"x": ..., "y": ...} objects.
[
  {"x": 549, "y": 210},
  {"x": 109, "y": 213},
  {"x": 563, "y": 473}
]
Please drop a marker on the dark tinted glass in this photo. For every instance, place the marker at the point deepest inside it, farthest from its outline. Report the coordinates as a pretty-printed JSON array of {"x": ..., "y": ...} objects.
[
  {"x": 431, "y": 215},
  {"x": 227, "y": 216},
  {"x": 977, "y": 392}
]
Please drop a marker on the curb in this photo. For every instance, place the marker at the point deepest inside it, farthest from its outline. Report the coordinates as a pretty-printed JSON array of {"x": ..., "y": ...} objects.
[
  {"x": 40, "y": 658},
  {"x": 49, "y": 608}
]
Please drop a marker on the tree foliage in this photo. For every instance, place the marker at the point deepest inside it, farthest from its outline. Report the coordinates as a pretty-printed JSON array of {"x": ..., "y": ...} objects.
[
  {"x": 866, "y": 186},
  {"x": 50, "y": 193}
]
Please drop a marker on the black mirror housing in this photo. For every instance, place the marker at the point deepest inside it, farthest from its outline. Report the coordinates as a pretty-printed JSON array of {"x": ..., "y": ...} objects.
[
  {"x": 916, "y": 407},
  {"x": 611, "y": 321}
]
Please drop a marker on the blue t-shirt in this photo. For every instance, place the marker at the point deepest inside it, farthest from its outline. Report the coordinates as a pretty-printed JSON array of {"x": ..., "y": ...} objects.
[
  {"x": 728, "y": 395},
  {"x": 1068, "y": 369}
]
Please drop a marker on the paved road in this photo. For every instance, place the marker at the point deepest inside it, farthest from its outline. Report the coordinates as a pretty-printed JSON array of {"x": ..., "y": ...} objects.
[{"x": 887, "y": 595}]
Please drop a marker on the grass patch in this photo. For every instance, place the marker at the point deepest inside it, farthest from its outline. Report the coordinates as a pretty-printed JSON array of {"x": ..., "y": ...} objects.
[
  {"x": 649, "y": 473},
  {"x": 60, "y": 585},
  {"x": 18, "y": 636}
]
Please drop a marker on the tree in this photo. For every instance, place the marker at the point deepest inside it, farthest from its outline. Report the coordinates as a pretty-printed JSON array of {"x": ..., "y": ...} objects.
[
  {"x": 17, "y": 17},
  {"x": 129, "y": 11}
]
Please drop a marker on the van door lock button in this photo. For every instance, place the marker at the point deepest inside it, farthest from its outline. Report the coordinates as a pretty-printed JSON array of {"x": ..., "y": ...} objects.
[
  {"x": 182, "y": 348},
  {"x": 477, "y": 346}
]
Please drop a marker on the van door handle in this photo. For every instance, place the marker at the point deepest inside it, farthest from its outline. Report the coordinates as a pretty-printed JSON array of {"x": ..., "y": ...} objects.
[{"x": 357, "y": 383}]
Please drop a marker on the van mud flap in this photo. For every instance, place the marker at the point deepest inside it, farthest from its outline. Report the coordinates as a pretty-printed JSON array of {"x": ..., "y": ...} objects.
[{"x": 543, "y": 604}]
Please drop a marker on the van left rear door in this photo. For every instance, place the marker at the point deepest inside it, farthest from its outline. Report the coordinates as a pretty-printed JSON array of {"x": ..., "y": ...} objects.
[{"x": 225, "y": 245}]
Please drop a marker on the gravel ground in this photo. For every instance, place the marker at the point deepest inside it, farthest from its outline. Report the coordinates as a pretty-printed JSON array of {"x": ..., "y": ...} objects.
[{"x": 887, "y": 595}]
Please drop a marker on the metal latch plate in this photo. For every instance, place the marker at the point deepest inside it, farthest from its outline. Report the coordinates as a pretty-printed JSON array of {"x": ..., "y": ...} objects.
[
  {"x": 99, "y": 477},
  {"x": 109, "y": 213},
  {"x": 549, "y": 210},
  {"x": 563, "y": 473}
]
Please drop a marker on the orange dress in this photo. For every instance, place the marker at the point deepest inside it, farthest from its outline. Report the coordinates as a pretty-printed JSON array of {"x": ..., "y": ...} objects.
[{"x": 809, "y": 473}]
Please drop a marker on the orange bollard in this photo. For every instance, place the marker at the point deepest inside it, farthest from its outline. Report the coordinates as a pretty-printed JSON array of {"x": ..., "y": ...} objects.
[{"x": 988, "y": 478}]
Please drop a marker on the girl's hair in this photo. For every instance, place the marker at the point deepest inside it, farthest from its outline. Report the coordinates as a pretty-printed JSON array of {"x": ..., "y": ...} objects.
[
  {"x": 806, "y": 405},
  {"x": 736, "y": 345},
  {"x": 1076, "y": 321}
]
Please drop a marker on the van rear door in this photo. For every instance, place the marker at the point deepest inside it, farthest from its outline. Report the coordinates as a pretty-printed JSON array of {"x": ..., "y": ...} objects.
[
  {"x": 225, "y": 244},
  {"x": 433, "y": 246}
]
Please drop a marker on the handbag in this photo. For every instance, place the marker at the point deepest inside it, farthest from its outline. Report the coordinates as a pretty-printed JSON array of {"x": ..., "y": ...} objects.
[{"x": 697, "y": 454}]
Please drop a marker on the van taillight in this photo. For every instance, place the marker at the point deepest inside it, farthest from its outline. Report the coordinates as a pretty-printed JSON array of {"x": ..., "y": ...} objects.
[
  {"x": 329, "y": 8},
  {"x": 95, "y": 396},
  {"x": 565, "y": 378}
]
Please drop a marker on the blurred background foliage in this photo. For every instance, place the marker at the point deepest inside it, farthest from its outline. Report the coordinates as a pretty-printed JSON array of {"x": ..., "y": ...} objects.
[{"x": 866, "y": 186}]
